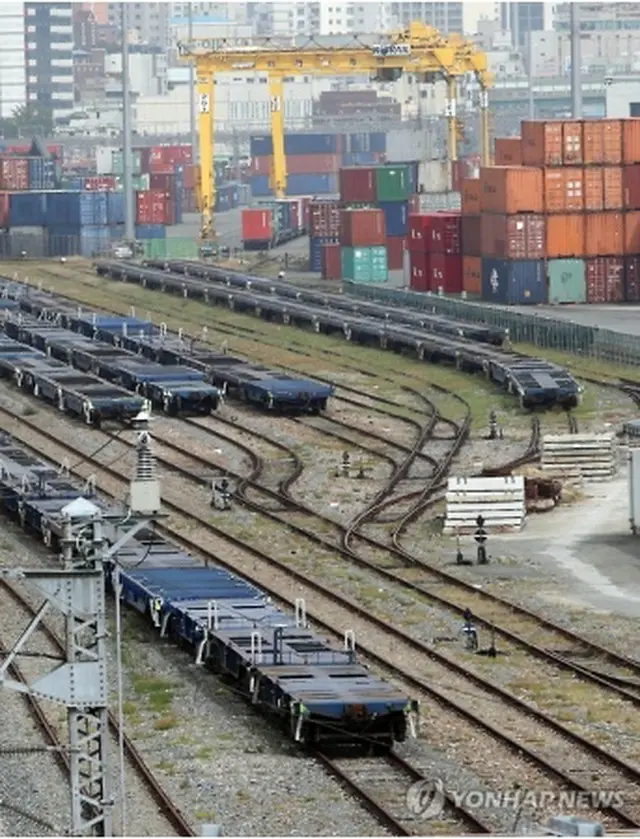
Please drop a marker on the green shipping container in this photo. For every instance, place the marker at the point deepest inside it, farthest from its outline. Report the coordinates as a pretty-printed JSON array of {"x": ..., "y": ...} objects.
[
  {"x": 170, "y": 248},
  {"x": 393, "y": 183},
  {"x": 364, "y": 265},
  {"x": 567, "y": 281},
  {"x": 117, "y": 163}
]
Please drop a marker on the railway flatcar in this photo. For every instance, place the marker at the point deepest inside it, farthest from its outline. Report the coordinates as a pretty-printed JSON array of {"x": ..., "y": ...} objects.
[{"x": 318, "y": 693}]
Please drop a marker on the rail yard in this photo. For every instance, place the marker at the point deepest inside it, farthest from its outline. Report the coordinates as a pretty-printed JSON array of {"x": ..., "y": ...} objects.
[{"x": 335, "y": 515}]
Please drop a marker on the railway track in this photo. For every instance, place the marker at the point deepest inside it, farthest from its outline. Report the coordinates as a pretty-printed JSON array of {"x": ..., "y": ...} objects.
[
  {"x": 166, "y": 806},
  {"x": 453, "y": 686}
]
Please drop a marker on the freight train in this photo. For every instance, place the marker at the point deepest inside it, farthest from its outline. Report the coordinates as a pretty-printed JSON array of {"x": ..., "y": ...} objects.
[
  {"x": 535, "y": 382},
  {"x": 320, "y": 694}
]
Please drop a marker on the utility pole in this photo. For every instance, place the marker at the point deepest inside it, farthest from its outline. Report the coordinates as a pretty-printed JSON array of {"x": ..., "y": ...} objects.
[
  {"x": 532, "y": 105},
  {"x": 576, "y": 82},
  {"x": 127, "y": 155},
  {"x": 192, "y": 96}
]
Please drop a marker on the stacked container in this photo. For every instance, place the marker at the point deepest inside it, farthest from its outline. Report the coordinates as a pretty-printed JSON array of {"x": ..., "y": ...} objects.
[
  {"x": 272, "y": 223},
  {"x": 77, "y": 223},
  {"x": 324, "y": 238},
  {"x": 435, "y": 249},
  {"x": 363, "y": 254}
]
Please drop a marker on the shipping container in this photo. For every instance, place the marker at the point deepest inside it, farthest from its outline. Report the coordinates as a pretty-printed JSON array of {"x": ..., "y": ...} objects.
[
  {"x": 257, "y": 224},
  {"x": 508, "y": 151},
  {"x": 117, "y": 162},
  {"x": 572, "y": 142},
  {"x": 434, "y": 176},
  {"x": 419, "y": 232},
  {"x": 358, "y": 184},
  {"x": 115, "y": 208},
  {"x": 511, "y": 189},
  {"x": 331, "y": 262},
  {"x": 632, "y": 279},
  {"x": 566, "y": 281},
  {"x": 298, "y": 185},
  {"x": 311, "y": 164},
  {"x": 593, "y": 189},
  {"x": 631, "y": 186},
  {"x": 161, "y": 180},
  {"x": 77, "y": 209},
  {"x": 88, "y": 241},
  {"x": 632, "y": 233},
  {"x": 459, "y": 173},
  {"x": 362, "y": 228},
  {"x": 4, "y": 209},
  {"x": 33, "y": 241},
  {"x": 563, "y": 190},
  {"x": 471, "y": 233},
  {"x": 445, "y": 234},
  {"x": 14, "y": 173},
  {"x": 602, "y": 141},
  {"x": 363, "y": 142},
  {"x": 100, "y": 183},
  {"x": 396, "y": 215},
  {"x": 613, "y": 187},
  {"x": 365, "y": 265},
  {"x": 316, "y": 252},
  {"x": 393, "y": 183},
  {"x": 631, "y": 140},
  {"x": 604, "y": 234},
  {"x": 361, "y": 158},
  {"x": 471, "y": 196},
  {"x": 170, "y": 249},
  {"x": 324, "y": 219},
  {"x": 542, "y": 143},
  {"x": 565, "y": 236},
  {"x": 605, "y": 280},
  {"x": 444, "y": 273},
  {"x": 472, "y": 274},
  {"x": 151, "y": 231},
  {"x": 28, "y": 209},
  {"x": 419, "y": 271},
  {"x": 42, "y": 173},
  {"x": 262, "y": 146},
  {"x": 155, "y": 206},
  {"x": 514, "y": 282},
  {"x": 513, "y": 237},
  {"x": 396, "y": 247}
]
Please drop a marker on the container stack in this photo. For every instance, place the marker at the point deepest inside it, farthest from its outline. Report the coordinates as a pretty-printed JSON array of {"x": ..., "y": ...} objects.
[
  {"x": 435, "y": 252},
  {"x": 560, "y": 215},
  {"x": 363, "y": 252},
  {"x": 76, "y": 223},
  {"x": 313, "y": 160},
  {"x": 273, "y": 223}
]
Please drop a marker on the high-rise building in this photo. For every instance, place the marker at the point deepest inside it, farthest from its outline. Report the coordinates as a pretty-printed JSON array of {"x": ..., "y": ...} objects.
[
  {"x": 13, "y": 91},
  {"x": 149, "y": 22},
  {"x": 599, "y": 17},
  {"x": 448, "y": 18},
  {"x": 520, "y": 19},
  {"x": 48, "y": 40}
]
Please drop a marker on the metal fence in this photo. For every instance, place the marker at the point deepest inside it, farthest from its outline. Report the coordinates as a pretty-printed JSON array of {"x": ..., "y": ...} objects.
[
  {"x": 45, "y": 245},
  {"x": 539, "y": 330}
]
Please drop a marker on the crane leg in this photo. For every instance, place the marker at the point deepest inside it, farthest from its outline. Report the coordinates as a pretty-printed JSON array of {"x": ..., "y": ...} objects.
[
  {"x": 278, "y": 179},
  {"x": 206, "y": 108},
  {"x": 484, "y": 127},
  {"x": 452, "y": 123}
]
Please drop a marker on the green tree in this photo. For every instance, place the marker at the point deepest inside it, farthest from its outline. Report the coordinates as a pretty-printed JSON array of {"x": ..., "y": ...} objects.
[{"x": 27, "y": 121}]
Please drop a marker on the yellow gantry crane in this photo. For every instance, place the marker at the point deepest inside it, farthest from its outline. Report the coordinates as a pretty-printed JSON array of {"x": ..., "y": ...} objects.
[{"x": 419, "y": 50}]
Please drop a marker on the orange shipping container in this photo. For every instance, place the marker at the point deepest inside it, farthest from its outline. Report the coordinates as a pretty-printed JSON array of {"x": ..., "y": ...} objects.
[
  {"x": 511, "y": 189},
  {"x": 472, "y": 274},
  {"x": 572, "y": 142},
  {"x": 563, "y": 190},
  {"x": 602, "y": 140},
  {"x": 470, "y": 196},
  {"x": 565, "y": 236},
  {"x": 603, "y": 234},
  {"x": 508, "y": 151},
  {"x": 632, "y": 233},
  {"x": 593, "y": 189},
  {"x": 631, "y": 141},
  {"x": 613, "y": 187},
  {"x": 542, "y": 142}
]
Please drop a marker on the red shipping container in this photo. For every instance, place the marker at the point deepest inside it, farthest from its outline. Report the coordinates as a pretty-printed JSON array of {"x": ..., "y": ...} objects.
[
  {"x": 162, "y": 181},
  {"x": 145, "y": 160},
  {"x": 472, "y": 274},
  {"x": 602, "y": 141},
  {"x": 632, "y": 233},
  {"x": 296, "y": 214},
  {"x": 613, "y": 187},
  {"x": 572, "y": 142},
  {"x": 257, "y": 224},
  {"x": 631, "y": 140},
  {"x": 419, "y": 230},
  {"x": 261, "y": 165},
  {"x": 605, "y": 280},
  {"x": 564, "y": 190},
  {"x": 631, "y": 186},
  {"x": 459, "y": 173},
  {"x": 362, "y": 228},
  {"x": 511, "y": 189},
  {"x": 14, "y": 173},
  {"x": 542, "y": 142},
  {"x": 414, "y": 204},
  {"x": 445, "y": 233},
  {"x": 604, "y": 234},
  {"x": 508, "y": 151},
  {"x": 190, "y": 172},
  {"x": 331, "y": 262},
  {"x": 396, "y": 246},
  {"x": 100, "y": 183},
  {"x": 593, "y": 188},
  {"x": 311, "y": 164},
  {"x": 419, "y": 276},
  {"x": 444, "y": 272},
  {"x": 305, "y": 203},
  {"x": 358, "y": 183},
  {"x": 471, "y": 235},
  {"x": 324, "y": 219},
  {"x": 143, "y": 207},
  {"x": 4, "y": 209},
  {"x": 471, "y": 196},
  {"x": 632, "y": 279},
  {"x": 513, "y": 237}
]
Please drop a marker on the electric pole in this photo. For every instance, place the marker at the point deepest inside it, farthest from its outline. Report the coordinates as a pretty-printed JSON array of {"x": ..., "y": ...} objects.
[
  {"x": 192, "y": 95},
  {"x": 127, "y": 156},
  {"x": 576, "y": 83}
]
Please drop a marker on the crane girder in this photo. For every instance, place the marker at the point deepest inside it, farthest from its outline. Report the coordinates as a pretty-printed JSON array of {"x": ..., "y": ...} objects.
[{"x": 418, "y": 49}]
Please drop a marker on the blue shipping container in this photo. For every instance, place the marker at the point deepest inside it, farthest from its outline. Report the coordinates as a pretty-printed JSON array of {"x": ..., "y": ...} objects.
[
  {"x": 116, "y": 232},
  {"x": 396, "y": 216},
  {"x": 27, "y": 209},
  {"x": 77, "y": 209},
  {"x": 297, "y": 185},
  {"x": 151, "y": 231},
  {"x": 514, "y": 282},
  {"x": 315, "y": 252},
  {"x": 260, "y": 186},
  {"x": 359, "y": 158},
  {"x": 262, "y": 146},
  {"x": 115, "y": 208},
  {"x": 378, "y": 142},
  {"x": 42, "y": 173},
  {"x": 87, "y": 241}
]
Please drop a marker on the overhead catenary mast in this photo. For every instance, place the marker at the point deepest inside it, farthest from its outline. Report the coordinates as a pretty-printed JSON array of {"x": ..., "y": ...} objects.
[
  {"x": 576, "y": 84},
  {"x": 127, "y": 154}
]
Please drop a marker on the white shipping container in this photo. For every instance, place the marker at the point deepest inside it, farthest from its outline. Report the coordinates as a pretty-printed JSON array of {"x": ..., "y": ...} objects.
[
  {"x": 406, "y": 144},
  {"x": 634, "y": 490},
  {"x": 434, "y": 176},
  {"x": 104, "y": 160},
  {"x": 431, "y": 202}
]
